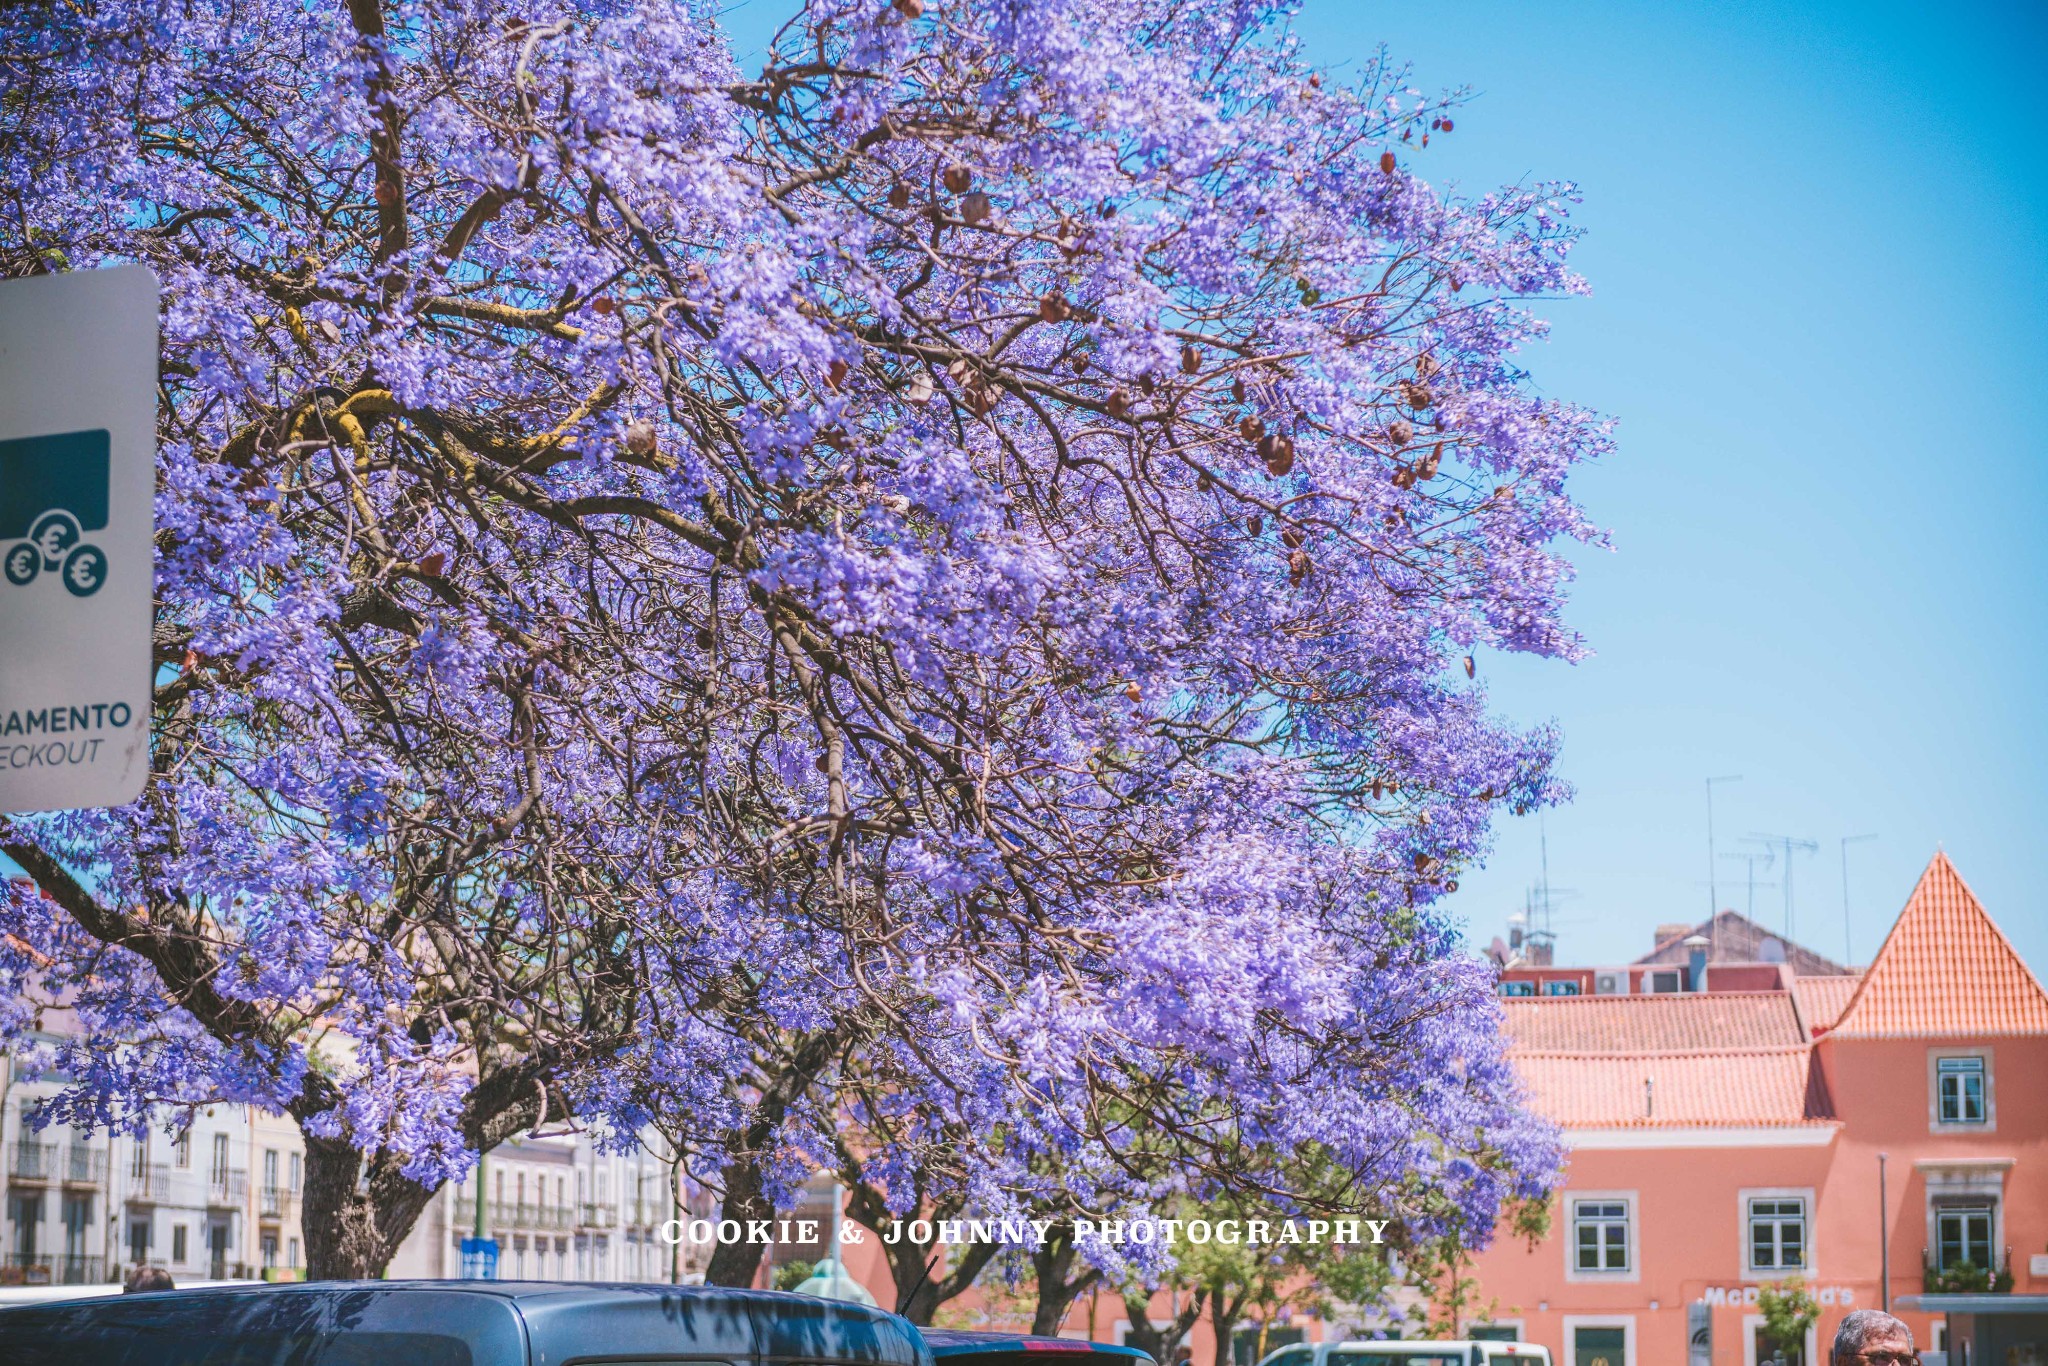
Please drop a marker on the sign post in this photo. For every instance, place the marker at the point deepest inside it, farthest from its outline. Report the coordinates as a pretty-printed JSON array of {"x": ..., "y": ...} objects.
[{"x": 78, "y": 381}]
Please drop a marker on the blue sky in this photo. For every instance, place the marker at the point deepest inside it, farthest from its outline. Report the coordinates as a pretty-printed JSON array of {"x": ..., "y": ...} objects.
[{"x": 1818, "y": 240}]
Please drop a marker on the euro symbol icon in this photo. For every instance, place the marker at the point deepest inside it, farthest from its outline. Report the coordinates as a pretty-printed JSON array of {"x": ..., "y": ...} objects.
[{"x": 85, "y": 569}]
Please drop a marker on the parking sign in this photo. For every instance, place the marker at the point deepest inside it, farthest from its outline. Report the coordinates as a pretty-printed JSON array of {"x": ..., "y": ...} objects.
[{"x": 78, "y": 375}]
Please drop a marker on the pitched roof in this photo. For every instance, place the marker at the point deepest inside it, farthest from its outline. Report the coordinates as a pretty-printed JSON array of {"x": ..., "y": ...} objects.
[
  {"x": 1945, "y": 971},
  {"x": 1822, "y": 1000},
  {"x": 1774, "y": 1087},
  {"x": 1680, "y": 1022},
  {"x": 1733, "y": 938}
]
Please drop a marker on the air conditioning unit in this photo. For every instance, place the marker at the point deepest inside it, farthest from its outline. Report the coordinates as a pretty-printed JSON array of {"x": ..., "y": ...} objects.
[{"x": 1610, "y": 984}]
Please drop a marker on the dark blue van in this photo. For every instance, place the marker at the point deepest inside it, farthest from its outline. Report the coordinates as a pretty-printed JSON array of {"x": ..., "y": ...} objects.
[{"x": 498, "y": 1323}]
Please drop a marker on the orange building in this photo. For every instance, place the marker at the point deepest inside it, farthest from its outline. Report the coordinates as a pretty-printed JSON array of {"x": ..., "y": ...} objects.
[{"x": 1880, "y": 1135}]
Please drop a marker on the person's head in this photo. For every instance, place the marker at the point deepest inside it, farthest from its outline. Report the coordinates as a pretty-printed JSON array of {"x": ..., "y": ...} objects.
[
  {"x": 1870, "y": 1337},
  {"x": 148, "y": 1278}
]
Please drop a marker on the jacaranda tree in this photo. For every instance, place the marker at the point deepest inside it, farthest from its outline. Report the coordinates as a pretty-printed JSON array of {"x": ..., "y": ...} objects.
[{"x": 954, "y": 563}]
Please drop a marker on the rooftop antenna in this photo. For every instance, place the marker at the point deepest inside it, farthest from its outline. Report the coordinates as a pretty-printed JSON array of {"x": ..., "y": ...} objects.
[
  {"x": 1787, "y": 844},
  {"x": 1749, "y": 862},
  {"x": 1713, "y": 891},
  {"x": 1848, "y": 954}
]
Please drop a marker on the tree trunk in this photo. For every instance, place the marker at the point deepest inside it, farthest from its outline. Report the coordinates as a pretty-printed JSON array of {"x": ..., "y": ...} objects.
[
  {"x": 736, "y": 1264},
  {"x": 1159, "y": 1343},
  {"x": 1053, "y": 1260},
  {"x": 920, "y": 1288},
  {"x": 1224, "y": 1312},
  {"x": 353, "y": 1228}
]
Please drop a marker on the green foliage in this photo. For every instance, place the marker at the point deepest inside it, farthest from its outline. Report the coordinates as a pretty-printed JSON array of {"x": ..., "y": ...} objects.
[
  {"x": 1788, "y": 1312},
  {"x": 790, "y": 1275}
]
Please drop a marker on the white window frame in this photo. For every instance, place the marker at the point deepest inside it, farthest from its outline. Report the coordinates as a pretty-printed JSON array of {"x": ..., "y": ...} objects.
[
  {"x": 1631, "y": 1207},
  {"x": 1751, "y": 1272},
  {"x": 1991, "y": 1206},
  {"x": 1752, "y": 1322},
  {"x": 1935, "y": 1123},
  {"x": 1625, "y": 1322},
  {"x": 1519, "y": 1327}
]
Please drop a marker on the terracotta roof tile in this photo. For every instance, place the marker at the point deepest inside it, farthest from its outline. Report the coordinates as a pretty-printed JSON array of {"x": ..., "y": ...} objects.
[
  {"x": 1774, "y": 1087},
  {"x": 1823, "y": 999},
  {"x": 1945, "y": 971},
  {"x": 1677, "y": 1023}
]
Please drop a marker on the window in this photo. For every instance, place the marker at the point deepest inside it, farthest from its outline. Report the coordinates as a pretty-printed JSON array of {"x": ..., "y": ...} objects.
[
  {"x": 292, "y": 1251},
  {"x": 1561, "y": 988},
  {"x": 1777, "y": 1234},
  {"x": 297, "y": 1169},
  {"x": 1959, "y": 1090},
  {"x": 178, "y": 1243},
  {"x": 269, "y": 1250},
  {"x": 1667, "y": 980},
  {"x": 182, "y": 1150},
  {"x": 220, "y": 1159},
  {"x": 1600, "y": 1235},
  {"x": 1518, "y": 988},
  {"x": 138, "y": 1240},
  {"x": 1599, "y": 1346},
  {"x": 1962, "y": 1234},
  {"x": 270, "y": 1169}
]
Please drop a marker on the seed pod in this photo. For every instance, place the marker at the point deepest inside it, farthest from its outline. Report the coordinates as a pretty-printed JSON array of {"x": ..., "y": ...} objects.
[
  {"x": 1118, "y": 403},
  {"x": 1430, "y": 462},
  {"x": 704, "y": 637},
  {"x": 1471, "y": 668},
  {"x": 919, "y": 390},
  {"x": 1251, "y": 428},
  {"x": 1387, "y": 162},
  {"x": 386, "y": 193},
  {"x": 824, "y": 763},
  {"x": 899, "y": 195},
  {"x": 1203, "y": 483},
  {"x": 1277, "y": 451},
  {"x": 1190, "y": 360},
  {"x": 433, "y": 564},
  {"x": 329, "y": 330},
  {"x": 1133, "y": 691},
  {"x": 974, "y": 207},
  {"x": 1400, "y": 431},
  {"x": 1426, "y": 366},
  {"x": 1447, "y": 126},
  {"x": 1451, "y": 886},
  {"x": 1404, "y": 478},
  {"x": 1053, "y": 308},
  {"x": 1298, "y": 566},
  {"x": 640, "y": 438},
  {"x": 602, "y": 304},
  {"x": 909, "y": 9},
  {"x": 1418, "y": 395},
  {"x": 1255, "y": 524},
  {"x": 1379, "y": 789},
  {"x": 1422, "y": 862},
  {"x": 835, "y": 373},
  {"x": 1237, "y": 389},
  {"x": 957, "y": 178},
  {"x": 1293, "y": 537},
  {"x": 1147, "y": 385},
  {"x": 1080, "y": 362}
]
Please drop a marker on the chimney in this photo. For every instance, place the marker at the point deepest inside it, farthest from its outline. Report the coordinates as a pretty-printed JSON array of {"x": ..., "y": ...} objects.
[
  {"x": 1696, "y": 962},
  {"x": 1667, "y": 933}
]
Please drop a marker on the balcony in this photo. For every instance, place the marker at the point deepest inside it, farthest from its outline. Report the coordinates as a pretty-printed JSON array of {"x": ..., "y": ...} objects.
[
  {"x": 227, "y": 1189},
  {"x": 85, "y": 1166},
  {"x": 30, "y": 1268},
  {"x": 31, "y": 1162},
  {"x": 278, "y": 1203},
  {"x": 1965, "y": 1277},
  {"x": 149, "y": 1185},
  {"x": 599, "y": 1215}
]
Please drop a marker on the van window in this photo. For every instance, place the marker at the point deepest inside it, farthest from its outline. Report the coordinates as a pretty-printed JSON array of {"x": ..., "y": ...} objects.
[{"x": 1402, "y": 1356}]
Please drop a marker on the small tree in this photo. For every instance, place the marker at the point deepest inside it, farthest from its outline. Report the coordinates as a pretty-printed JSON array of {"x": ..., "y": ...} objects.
[{"x": 1788, "y": 1312}]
